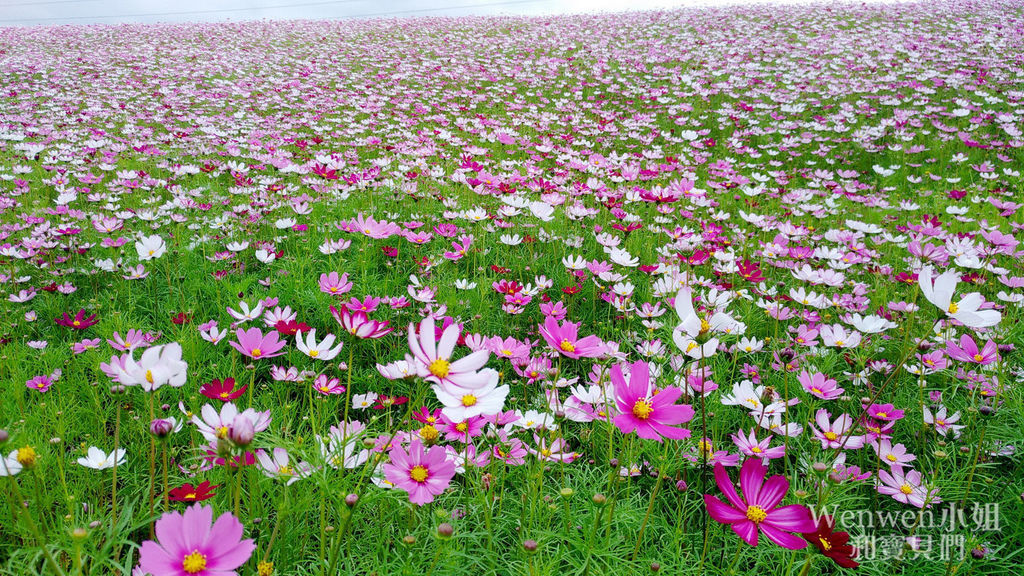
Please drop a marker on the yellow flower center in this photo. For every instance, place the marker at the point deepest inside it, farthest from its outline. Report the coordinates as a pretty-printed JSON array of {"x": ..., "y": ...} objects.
[
  {"x": 907, "y": 489},
  {"x": 704, "y": 326},
  {"x": 76, "y": 323},
  {"x": 314, "y": 353},
  {"x": 890, "y": 457},
  {"x": 418, "y": 473},
  {"x": 978, "y": 357},
  {"x": 816, "y": 390},
  {"x": 839, "y": 343},
  {"x": 225, "y": 395},
  {"x": 256, "y": 352},
  {"x": 428, "y": 433},
  {"x": 567, "y": 346},
  {"x": 824, "y": 544},
  {"x": 222, "y": 432},
  {"x": 882, "y": 415},
  {"x": 756, "y": 514},
  {"x": 191, "y": 496},
  {"x": 642, "y": 409},
  {"x": 149, "y": 376},
  {"x": 690, "y": 346},
  {"x": 265, "y": 568},
  {"x": 439, "y": 368},
  {"x": 285, "y": 471},
  {"x": 756, "y": 450},
  {"x": 333, "y": 288},
  {"x": 151, "y": 252},
  {"x": 468, "y": 400},
  {"x": 831, "y": 436},
  {"x": 194, "y": 563},
  {"x": 325, "y": 388},
  {"x": 462, "y": 427},
  {"x": 953, "y": 308},
  {"x": 26, "y": 456}
]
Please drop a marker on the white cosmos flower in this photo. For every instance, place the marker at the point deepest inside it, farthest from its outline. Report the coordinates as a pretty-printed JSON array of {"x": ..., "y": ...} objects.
[
  {"x": 158, "y": 365},
  {"x": 99, "y": 460},
  {"x": 321, "y": 351},
  {"x": 939, "y": 291},
  {"x": 462, "y": 404},
  {"x": 150, "y": 247}
]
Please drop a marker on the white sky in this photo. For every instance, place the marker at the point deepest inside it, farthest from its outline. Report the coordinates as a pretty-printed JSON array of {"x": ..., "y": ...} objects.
[{"x": 50, "y": 12}]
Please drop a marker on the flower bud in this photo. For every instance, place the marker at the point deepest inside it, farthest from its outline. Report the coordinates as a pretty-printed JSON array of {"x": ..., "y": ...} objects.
[
  {"x": 409, "y": 539},
  {"x": 599, "y": 499},
  {"x": 351, "y": 500},
  {"x": 655, "y": 567},
  {"x": 566, "y": 492},
  {"x": 819, "y": 467},
  {"x": 530, "y": 545},
  {"x": 161, "y": 428},
  {"x": 4, "y": 436},
  {"x": 241, "y": 431},
  {"x": 445, "y": 530}
]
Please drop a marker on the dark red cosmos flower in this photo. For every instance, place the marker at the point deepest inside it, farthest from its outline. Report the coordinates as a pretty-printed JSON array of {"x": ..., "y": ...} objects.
[
  {"x": 181, "y": 318},
  {"x": 385, "y": 401},
  {"x": 223, "y": 391},
  {"x": 390, "y": 251},
  {"x": 291, "y": 327},
  {"x": 834, "y": 545},
  {"x": 79, "y": 322},
  {"x": 190, "y": 493}
]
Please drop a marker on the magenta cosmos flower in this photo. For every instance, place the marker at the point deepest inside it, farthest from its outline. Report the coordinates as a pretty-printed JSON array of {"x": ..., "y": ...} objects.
[
  {"x": 653, "y": 414},
  {"x": 422, "y": 473},
  {"x": 434, "y": 358},
  {"x": 759, "y": 509},
  {"x": 187, "y": 545},
  {"x": 564, "y": 340},
  {"x": 79, "y": 322},
  {"x": 255, "y": 345}
]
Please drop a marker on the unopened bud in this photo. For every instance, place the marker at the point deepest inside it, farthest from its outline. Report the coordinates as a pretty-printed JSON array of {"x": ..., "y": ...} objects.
[
  {"x": 599, "y": 499},
  {"x": 351, "y": 500},
  {"x": 445, "y": 530},
  {"x": 530, "y": 545},
  {"x": 241, "y": 431},
  {"x": 161, "y": 428}
]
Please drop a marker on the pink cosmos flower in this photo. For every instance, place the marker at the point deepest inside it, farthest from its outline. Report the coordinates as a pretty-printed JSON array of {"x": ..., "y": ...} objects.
[
  {"x": 906, "y": 487},
  {"x": 943, "y": 424},
  {"x": 422, "y": 473},
  {"x": 188, "y": 545},
  {"x": 564, "y": 340},
  {"x": 255, "y": 345},
  {"x": 433, "y": 358},
  {"x": 892, "y": 455},
  {"x": 819, "y": 385},
  {"x": 968, "y": 351},
  {"x": 759, "y": 509},
  {"x": 358, "y": 324},
  {"x": 833, "y": 435},
  {"x": 651, "y": 412},
  {"x": 334, "y": 284}
]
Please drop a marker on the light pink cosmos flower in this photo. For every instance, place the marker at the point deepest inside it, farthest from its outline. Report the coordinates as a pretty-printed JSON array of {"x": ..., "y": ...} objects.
[
  {"x": 187, "y": 544},
  {"x": 749, "y": 445},
  {"x": 832, "y": 435},
  {"x": 255, "y": 345},
  {"x": 819, "y": 385},
  {"x": 892, "y": 455},
  {"x": 652, "y": 413},
  {"x": 433, "y": 358},
  {"x": 564, "y": 339},
  {"x": 943, "y": 424},
  {"x": 213, "y": 425},
  {"x": 758, "y": 510},
  {"x": 906, "y": 487},
  {"x": 836, "y": 335},
  {"x": 334, "y": 284},
  {"x": 424, "y": 474}
]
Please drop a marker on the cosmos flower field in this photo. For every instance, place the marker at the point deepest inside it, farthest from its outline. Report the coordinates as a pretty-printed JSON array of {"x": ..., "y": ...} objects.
[{"x": 708, "y": 291}]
